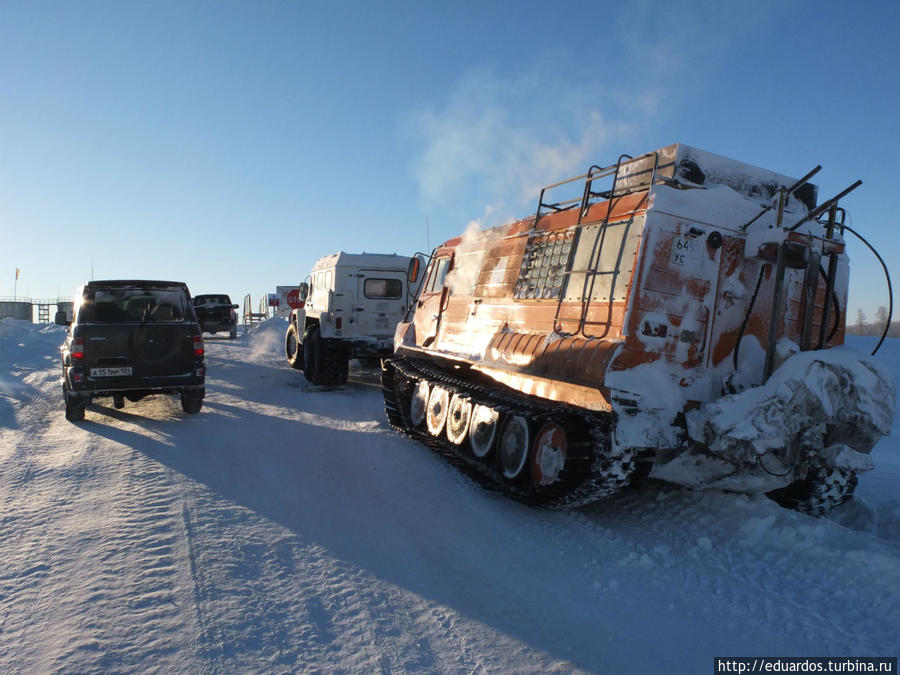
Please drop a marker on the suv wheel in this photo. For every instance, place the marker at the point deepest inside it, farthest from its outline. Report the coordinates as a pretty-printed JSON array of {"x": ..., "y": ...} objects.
[
  {"x": 191, "y": 404},
  {"x": 74, "y": 408}
]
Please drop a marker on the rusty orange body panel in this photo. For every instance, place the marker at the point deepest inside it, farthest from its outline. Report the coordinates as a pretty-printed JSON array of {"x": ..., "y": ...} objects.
[{"x": 637, "y": 282}]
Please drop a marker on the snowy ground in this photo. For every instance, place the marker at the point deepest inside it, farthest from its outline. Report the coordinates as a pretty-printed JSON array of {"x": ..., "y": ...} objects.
[{"x": 288, "y": 529}]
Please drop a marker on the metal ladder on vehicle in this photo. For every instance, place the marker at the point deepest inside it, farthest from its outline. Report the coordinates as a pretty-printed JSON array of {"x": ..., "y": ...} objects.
[{"x": 583, "y": 203}]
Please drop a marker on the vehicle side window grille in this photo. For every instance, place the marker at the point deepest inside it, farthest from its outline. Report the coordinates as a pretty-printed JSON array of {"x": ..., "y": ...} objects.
[{"x": 544, "y": 265}]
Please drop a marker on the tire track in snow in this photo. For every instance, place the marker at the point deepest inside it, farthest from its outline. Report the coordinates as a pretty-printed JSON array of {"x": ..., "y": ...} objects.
[
  {"x": 244, "y": 586},
  {"x": 758, "y": 566},
  {"x": 76, "y": 501},
  {"x": 135, "y": 601}
]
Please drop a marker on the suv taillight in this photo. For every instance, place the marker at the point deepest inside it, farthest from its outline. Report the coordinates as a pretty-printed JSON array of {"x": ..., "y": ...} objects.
[
  {"x": 198, "y": 345},
  {"x": 76, "y": 349}
]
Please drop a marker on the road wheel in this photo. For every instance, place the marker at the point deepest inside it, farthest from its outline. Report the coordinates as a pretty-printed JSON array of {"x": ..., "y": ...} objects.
[
  {"x": 548, "y": 457},
  {"x": 513, "y": 446},
  {"x": 293, "y": 348},
  {"x": 458, "y": 418},
  {"x": 418, "y": 402},
  {"x": 483, "y": 430},
  {"x": 191, "y": 404},
  {"x": 232, "y": 333},
  {"x": 436, "y": 414},
  {"x": 118, "y": 401}
]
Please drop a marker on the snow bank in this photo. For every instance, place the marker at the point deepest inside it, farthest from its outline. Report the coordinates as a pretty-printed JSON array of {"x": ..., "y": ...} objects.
[{"x": 25, "y": 348}]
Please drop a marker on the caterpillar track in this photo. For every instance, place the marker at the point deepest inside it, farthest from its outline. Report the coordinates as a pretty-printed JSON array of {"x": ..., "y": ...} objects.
[
  {"x": 591, "y": 471},
  {"x": 821, "y": 490}
]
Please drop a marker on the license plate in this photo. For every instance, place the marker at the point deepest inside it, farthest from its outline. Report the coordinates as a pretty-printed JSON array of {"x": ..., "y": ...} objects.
[
  {"x": 111, "y": 372},
  {"x": 685, "y": 252},
  {"x": 381, "y": 322}
]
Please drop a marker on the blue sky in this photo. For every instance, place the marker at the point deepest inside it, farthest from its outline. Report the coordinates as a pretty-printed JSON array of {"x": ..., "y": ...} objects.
[{"x": 231, "y": 144}]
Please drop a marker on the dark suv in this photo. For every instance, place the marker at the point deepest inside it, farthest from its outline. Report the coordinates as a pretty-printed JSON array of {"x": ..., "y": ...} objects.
[
  {"x": 216, "y": 313},
  {"x": 130, "y": 339}
]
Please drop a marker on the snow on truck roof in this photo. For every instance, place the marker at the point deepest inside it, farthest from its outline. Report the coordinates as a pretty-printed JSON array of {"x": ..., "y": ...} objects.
[
  {"x": 731, "y": 188},
  {"x": 753, "y": 181},
  {"x": 389, "y": 260}
]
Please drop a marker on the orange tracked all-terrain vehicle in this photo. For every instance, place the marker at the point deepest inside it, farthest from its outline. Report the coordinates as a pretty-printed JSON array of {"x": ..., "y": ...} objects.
[{"x": 675, "y": 317}]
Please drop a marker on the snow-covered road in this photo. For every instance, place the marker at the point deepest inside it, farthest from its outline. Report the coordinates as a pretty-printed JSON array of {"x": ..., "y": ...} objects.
[{"x": 289, "y": 529}]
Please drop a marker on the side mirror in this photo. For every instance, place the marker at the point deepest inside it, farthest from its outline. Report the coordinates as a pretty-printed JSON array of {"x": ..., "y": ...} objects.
[
  {"x": 304, "y": 291},
  {"x": 417, "y": 265},
  {"x": 413, "y": 272},
  {"x": 60, "y": 318},
  {"x": 234, "y": 307}
]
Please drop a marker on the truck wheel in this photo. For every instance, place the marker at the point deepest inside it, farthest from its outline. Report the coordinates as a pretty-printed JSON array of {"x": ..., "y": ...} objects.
[
  {"x": 191, "y": 404},
  {"x": 233, "y": 332},
  {"x": 315, "y": 361},
  {"x": 340, "y": 365},
  {"x": 293, "y": 348}
]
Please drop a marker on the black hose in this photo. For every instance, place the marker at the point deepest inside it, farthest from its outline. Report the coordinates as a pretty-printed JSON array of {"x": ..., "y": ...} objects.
[
  {"x": 737, "y": 346},
  {"x": 887, "y": 276},
  {"x": 837, "y": 308},
  {"x": 837, "y": 317}
]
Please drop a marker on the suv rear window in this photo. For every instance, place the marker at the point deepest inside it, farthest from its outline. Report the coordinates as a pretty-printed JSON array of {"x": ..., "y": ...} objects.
[
  {"x": 135, "y": 305},
  {"x": 211, "y": 300},
  {"x": 383, "y": 288}
]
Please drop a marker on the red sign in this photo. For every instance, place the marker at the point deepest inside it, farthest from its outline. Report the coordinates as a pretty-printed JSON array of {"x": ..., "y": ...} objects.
[{"x": 293, "y": 299}]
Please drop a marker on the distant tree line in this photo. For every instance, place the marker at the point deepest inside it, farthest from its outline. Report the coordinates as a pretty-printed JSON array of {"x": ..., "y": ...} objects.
[{"x": 860, "y": 324}]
